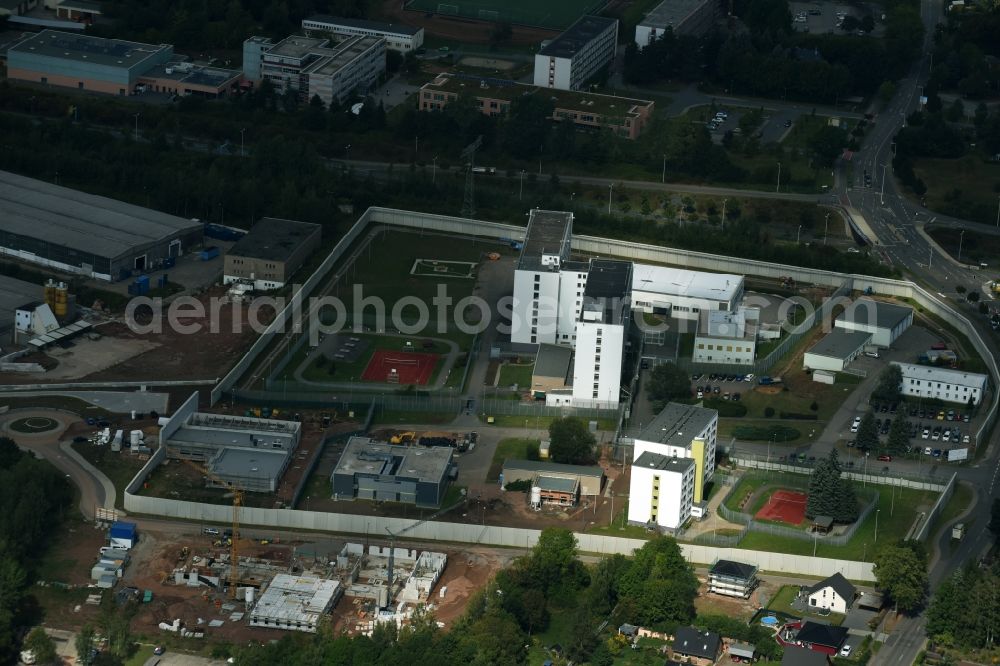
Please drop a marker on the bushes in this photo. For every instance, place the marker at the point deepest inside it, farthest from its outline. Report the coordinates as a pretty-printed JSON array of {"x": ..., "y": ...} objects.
[
  {"x": 522, "y": 486},
  {"x": 777, "y": 433},
  {"x": 768, "y": 412},
  {"x": 726, "y": 408},
  {"x": 796, "y": 416}
]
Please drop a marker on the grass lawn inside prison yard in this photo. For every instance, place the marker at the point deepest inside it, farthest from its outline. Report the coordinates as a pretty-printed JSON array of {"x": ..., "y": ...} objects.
[
  {"x": 120, "y": 467},
  {"x": 519, "y": 374},
  {"x": 894, "y": 522},
  {"x": 382, "y": 270},
  {"x": 514, "y": 448}
]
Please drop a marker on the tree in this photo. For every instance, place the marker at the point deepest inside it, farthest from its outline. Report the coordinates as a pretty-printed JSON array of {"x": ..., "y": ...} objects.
[
  {"x": 9, "y": 453},
  {"x": 668, "y": 382},
  {"x": 867, "y": 435},
  {"x": 890, "y": 382},
  {"x": 899, "y": 435},
  {"x": 900, "y": 574},
  {"x": 84, "y": 643},
  {"x": 570, "y": 441},
  {"x": 829, "y": 495},
  {"x": 886, "y": 92},
  {"x": 41, "y": 645},
  {"x": 973, "y": 297}
]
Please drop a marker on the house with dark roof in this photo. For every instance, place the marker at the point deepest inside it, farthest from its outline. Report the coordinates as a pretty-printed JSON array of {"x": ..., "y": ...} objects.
[
  {"x": 835, "y": 594},
  {"x": 821, "y": 637},
  {"x": 732, "y": 579},
  {"x": 800, "y": 656},
  {"x": 700, "y": 647}
]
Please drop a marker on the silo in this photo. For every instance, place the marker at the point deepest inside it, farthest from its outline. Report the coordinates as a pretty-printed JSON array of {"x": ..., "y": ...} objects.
[{"x": 61, "y": 300}]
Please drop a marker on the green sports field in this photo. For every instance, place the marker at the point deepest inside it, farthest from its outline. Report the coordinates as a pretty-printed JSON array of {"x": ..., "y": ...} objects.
[{"x": 553, "y": 14}]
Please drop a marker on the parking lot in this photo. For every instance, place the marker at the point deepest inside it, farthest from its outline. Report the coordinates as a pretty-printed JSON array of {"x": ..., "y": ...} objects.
[
  {"x": 776, "y": 124},
  {"x": 727, "y": 387},
  {"x": 818, "y": 17}
]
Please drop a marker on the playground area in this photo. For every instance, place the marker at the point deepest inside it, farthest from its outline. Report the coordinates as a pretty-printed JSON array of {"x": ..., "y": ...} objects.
[
  {"x": 438, "y": 268},
  {"x": 399, "y": 367},
  {"x": 786, "y": 506}
]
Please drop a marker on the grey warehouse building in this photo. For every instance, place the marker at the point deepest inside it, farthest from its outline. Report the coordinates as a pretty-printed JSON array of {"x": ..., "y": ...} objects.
[
  {"x": 249, "y": 453},
  {"x": 378, "y": 471},
  {"x": 88, "y": 235}
]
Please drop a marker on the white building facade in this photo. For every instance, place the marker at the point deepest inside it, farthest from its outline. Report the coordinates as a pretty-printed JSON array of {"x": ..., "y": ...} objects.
[
  {"x": 727, "y": 337},
  {"x": 661, "y": 491},
  {"x": 924, "y": 381},
  {"x": 683, "y": 431},
  {"x": 398, "y": 36},
  {"x": 536, "y": 307},
  {"x": 575, "y": 56},
  {"x": 684, "y": 294},
  {"x": 885, "y": 321}
]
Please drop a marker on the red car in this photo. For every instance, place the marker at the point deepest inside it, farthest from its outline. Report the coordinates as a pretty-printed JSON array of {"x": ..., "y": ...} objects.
[{"x": 885, "y": 458}]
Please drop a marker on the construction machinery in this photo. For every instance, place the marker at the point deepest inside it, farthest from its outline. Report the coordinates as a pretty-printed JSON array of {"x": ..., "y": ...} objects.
[
  {"x": 238, "y": 493},
  {"x": 403, "y": 438}
]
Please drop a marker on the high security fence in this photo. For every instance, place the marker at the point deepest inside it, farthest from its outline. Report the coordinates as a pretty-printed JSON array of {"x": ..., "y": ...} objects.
[
  {"x": 792, "y": 533},
  {"x": 924, "y": 532},
  {"x": 626, "y": 250},
  {"x": 361, "y": 526}
]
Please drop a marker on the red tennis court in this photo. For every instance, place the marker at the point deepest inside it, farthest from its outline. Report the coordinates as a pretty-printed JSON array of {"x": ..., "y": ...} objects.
[
  {"x": 787, "y": 506},
  {"x": 397, "y": 367}
]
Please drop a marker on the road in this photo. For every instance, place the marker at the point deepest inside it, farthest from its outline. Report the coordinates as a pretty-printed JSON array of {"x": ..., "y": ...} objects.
[{"x": 897, "y": 224}]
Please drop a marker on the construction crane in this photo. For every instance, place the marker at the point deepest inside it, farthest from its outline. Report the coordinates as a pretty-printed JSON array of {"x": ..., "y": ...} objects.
[
  {"x": 393, "y": 536},
  {"x": 234, "y": 540}
]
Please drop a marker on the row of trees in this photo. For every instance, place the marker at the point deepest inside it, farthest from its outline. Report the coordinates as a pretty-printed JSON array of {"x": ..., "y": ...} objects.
[
  {"x": 965, "y": 609},
  {"x": 33, "y": 499}
]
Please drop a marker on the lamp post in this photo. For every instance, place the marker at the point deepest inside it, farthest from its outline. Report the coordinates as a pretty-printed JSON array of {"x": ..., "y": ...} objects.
[
  {"x": 434, "y": 169},
  {"x": 137, "y": 125},
  {"x": 348, "y": 151},
  {"x": 961, "y": 237},
  {"x": 724, "y": 211},
  {"x": 663, "y": 175},
  {"x": 798, "y": 235},
  {"x": 610, "y": 187},
  {"x": 826, "y": 228},
  {"x": 778, "y": 187},
  {"x": 930, "y": 256},
  {"x": 875, "y": 540},
  {"x": 520, "y": 191},
  {"x": 242, "y": 131},
  {"x": 998, "y": 211}
]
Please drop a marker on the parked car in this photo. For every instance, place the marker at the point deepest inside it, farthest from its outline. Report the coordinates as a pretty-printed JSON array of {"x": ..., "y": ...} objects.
[
  {"x": 748, "y": 378},
  {"x": 845, "y": 651},
  {"x": 966, "y": 418},
  {"x": 936, "y": 453},
  {"x": 925, "y": 434},
  {"x": 884, "y": 458},
  {"x": 928, "y": 450},
  {"x": 736, "y": 396},
  {"x": 965, "y": 439}
]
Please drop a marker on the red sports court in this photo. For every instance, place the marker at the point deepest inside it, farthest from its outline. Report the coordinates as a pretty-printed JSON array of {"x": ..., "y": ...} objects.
[
  {"x": 787, "y": 506},
  {"x": 397, "y": 367}
]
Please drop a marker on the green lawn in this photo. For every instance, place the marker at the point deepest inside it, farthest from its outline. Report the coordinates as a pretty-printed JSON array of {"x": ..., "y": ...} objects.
[
  {"x": 519, "y": 374},
  {"x": 782, "y": 602},
  {"x": 963, "y": 187},
  {"x": 959, "y": 502},
  {"x": 782, "y": 432},
  {"x": 120, "y": 467},
  {"x": 320, "y": 367},
  {"x": 74, "y": 405},
  {"x": 894, "y": 521},
  {"x": 976, "y": 247},
  {"x": 619, "y": 526},
  {"x": 514, "y": 448},
  {"x": 747, "y": 486}
]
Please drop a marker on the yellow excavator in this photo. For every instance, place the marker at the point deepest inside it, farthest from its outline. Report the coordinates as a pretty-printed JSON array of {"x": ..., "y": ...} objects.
[{"x": 403, "y": 438}]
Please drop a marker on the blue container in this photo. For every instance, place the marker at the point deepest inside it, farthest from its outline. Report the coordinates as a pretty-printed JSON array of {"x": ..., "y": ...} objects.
[{"x": 209, "y": 253}]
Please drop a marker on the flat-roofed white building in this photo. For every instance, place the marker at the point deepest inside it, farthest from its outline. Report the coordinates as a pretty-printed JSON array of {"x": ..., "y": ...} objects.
[
  {"x": 661, "y": 490},
  {"x": 926, "y": 381},
  {"x": 398, "y": 36},
  {"x": 601, "y": 333},
  {"x": 683, "y": 294},
  {"x": 296, "y": 603},
  {"x": 836, "y": 350},
  {"x": 683, "y": 431},
  {"x": 536, "y": 307},
  {"x": 572, "y": 58},
  {"x": 885, "y": 321},
  {"x": 726, "y": 337}
]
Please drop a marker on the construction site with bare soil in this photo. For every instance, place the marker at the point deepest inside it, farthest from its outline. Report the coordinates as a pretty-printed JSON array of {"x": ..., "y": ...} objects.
[{"x": 189, "y": 589}]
